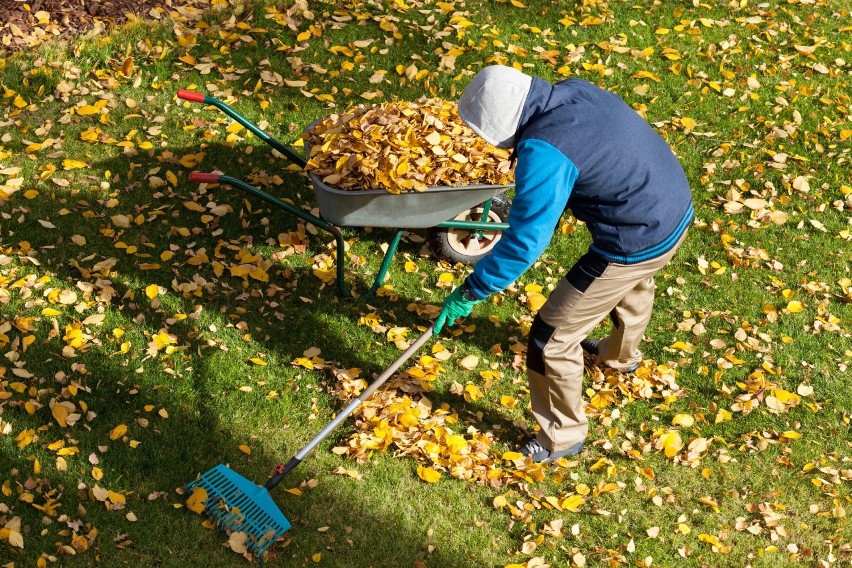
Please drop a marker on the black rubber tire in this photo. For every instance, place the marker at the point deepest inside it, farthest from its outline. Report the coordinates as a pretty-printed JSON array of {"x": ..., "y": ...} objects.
[{"x": 458, "y": 245}]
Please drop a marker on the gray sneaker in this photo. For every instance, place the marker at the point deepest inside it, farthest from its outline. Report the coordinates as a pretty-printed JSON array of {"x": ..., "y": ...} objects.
[
  {"x": 540, "y": 454},
  {"x": 590, "y": 346}
]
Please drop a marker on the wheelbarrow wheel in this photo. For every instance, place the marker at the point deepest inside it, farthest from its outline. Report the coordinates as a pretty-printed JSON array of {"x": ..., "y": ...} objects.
[{"x": 464, "y": 245}]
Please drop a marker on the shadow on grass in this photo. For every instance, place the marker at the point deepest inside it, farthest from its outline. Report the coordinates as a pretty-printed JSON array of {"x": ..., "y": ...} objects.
[{"x": 186, "y": 410}]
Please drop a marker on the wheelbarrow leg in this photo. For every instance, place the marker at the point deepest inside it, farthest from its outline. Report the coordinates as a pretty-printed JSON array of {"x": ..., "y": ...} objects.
[
  {"x": 342, "y": 289},
  {"x": 383, "y": 270}
]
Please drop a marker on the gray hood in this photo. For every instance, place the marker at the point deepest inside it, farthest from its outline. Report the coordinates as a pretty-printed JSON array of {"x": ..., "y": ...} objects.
[{"x": 493, "y": 102}]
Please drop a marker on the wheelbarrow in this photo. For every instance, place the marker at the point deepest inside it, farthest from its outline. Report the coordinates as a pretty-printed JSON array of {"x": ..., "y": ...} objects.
[{"x": 463, "y": 223}]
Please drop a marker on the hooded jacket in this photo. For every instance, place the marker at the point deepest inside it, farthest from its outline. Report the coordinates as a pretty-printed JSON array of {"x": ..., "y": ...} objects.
[{"x": 583, "y": 148}]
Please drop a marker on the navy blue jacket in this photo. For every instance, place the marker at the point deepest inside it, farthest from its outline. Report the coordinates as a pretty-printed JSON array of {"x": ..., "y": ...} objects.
[{"x": 583, "y": 148}]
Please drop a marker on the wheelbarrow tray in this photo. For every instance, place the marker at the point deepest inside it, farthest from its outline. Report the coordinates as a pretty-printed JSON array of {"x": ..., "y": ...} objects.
[{"x": 410, "y": 209}]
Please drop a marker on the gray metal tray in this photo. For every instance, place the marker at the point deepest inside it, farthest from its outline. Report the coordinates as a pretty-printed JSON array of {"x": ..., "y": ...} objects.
[{"x": 407, "y": 210}]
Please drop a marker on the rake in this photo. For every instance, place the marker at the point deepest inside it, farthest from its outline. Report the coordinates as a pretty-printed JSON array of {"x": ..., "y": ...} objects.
[{"x": 237, "y": 504}]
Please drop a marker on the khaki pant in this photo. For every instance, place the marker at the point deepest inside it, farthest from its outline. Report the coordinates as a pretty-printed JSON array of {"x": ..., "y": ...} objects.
[{"x": 592, "y": 289}]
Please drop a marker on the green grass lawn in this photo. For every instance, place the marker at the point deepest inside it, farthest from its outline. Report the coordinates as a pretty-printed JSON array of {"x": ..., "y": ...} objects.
[{"x": 152, "y": 328}]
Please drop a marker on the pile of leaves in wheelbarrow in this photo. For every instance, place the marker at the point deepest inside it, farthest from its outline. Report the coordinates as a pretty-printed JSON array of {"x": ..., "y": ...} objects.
[{"x": 403, "y": 146}]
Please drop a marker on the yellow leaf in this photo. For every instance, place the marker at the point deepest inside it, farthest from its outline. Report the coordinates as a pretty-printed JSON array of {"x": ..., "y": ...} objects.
[
  {"x": 162, "y": 339},
  {"x": 785, "y": 396},
  {"x": 591, "y": 21},
  {"x": 258, "y": 361},
  {"x": 456, "y": 443},
  {"x": 97, "y": 473},
  {"x": 69, "y": 164},
  {"x": 472, "y": 393},
  {"x": 60, "y": 413},
  {"x": 645, "y": 75},
  {"x": 671, "y": 443},
  {"x": 195, "y": 502},
  {"x": 572, "y": 503},
  {"x": 710, "y": 502},
  {"x": 792, "y": 435},
  {"x": 688, "y": 123},
  {"x": 512, "y": 456},
  {"x": 193, "y": 206},
  {"x": 428, "y": 474},
  {"x": 118, "y": 432},
  {"x": 535, "y": 301},
  {"x": 15, "y": 538},
  {"x": 25, "y": 438},
  {"x": 116, "y": 497},
  {"x": 714, "y": 542},
  {"x": 683, "y": 420},
  {"x": 244, "y": 449},
  {"x": 152, "y": 291},
  {"x": 795, "y": 306},
  {"x": 681, "y": 346},
  {"x": 48, "y": 312}
]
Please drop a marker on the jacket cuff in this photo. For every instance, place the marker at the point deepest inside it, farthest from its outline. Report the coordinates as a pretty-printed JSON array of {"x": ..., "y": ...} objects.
[{"x": 468, "y": 291}]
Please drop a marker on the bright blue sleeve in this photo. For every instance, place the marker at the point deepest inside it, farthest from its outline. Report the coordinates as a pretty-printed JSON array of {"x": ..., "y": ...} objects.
[{"x": 544, "y": 177}]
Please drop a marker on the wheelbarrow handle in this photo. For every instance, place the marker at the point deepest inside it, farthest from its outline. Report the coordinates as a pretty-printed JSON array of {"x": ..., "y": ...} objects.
[
  {"x": 249, "y": 125},
  {"x": 191, "y": 96},
  {"x": 200, "y": 177}
]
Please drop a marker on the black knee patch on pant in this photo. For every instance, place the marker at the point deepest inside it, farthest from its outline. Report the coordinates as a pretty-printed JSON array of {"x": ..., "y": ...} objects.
[
  {"x": 584, "y": 272},
  {"x": 613, "y": 315},
  {"x": 540, "y": 334}
]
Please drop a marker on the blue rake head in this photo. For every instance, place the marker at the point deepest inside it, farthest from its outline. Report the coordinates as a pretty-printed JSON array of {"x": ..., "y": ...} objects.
[{"x": 238, "y": 504}]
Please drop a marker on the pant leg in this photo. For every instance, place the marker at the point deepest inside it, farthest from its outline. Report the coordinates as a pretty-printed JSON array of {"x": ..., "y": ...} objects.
[
  {"x": 554, "y": 357},
  {"x": 620, "y": 349},
  {"x": 591, "y": 290}
]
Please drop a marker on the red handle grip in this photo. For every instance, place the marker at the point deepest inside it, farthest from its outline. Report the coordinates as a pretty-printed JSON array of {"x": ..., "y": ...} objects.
[
  {"x": 200, "y": 177},
  {"x": 190, "y": 96}
]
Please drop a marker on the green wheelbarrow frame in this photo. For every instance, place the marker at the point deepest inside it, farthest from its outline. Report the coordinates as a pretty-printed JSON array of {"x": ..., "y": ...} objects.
[{"x": 372, "y": 208}]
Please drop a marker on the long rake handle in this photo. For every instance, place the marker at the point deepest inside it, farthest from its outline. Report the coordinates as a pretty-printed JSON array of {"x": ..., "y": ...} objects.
[{"x": 350, "y": 408}]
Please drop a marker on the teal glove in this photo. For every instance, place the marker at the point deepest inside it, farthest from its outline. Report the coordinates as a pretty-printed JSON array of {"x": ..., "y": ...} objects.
[{"x": 455, "y": 306}]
